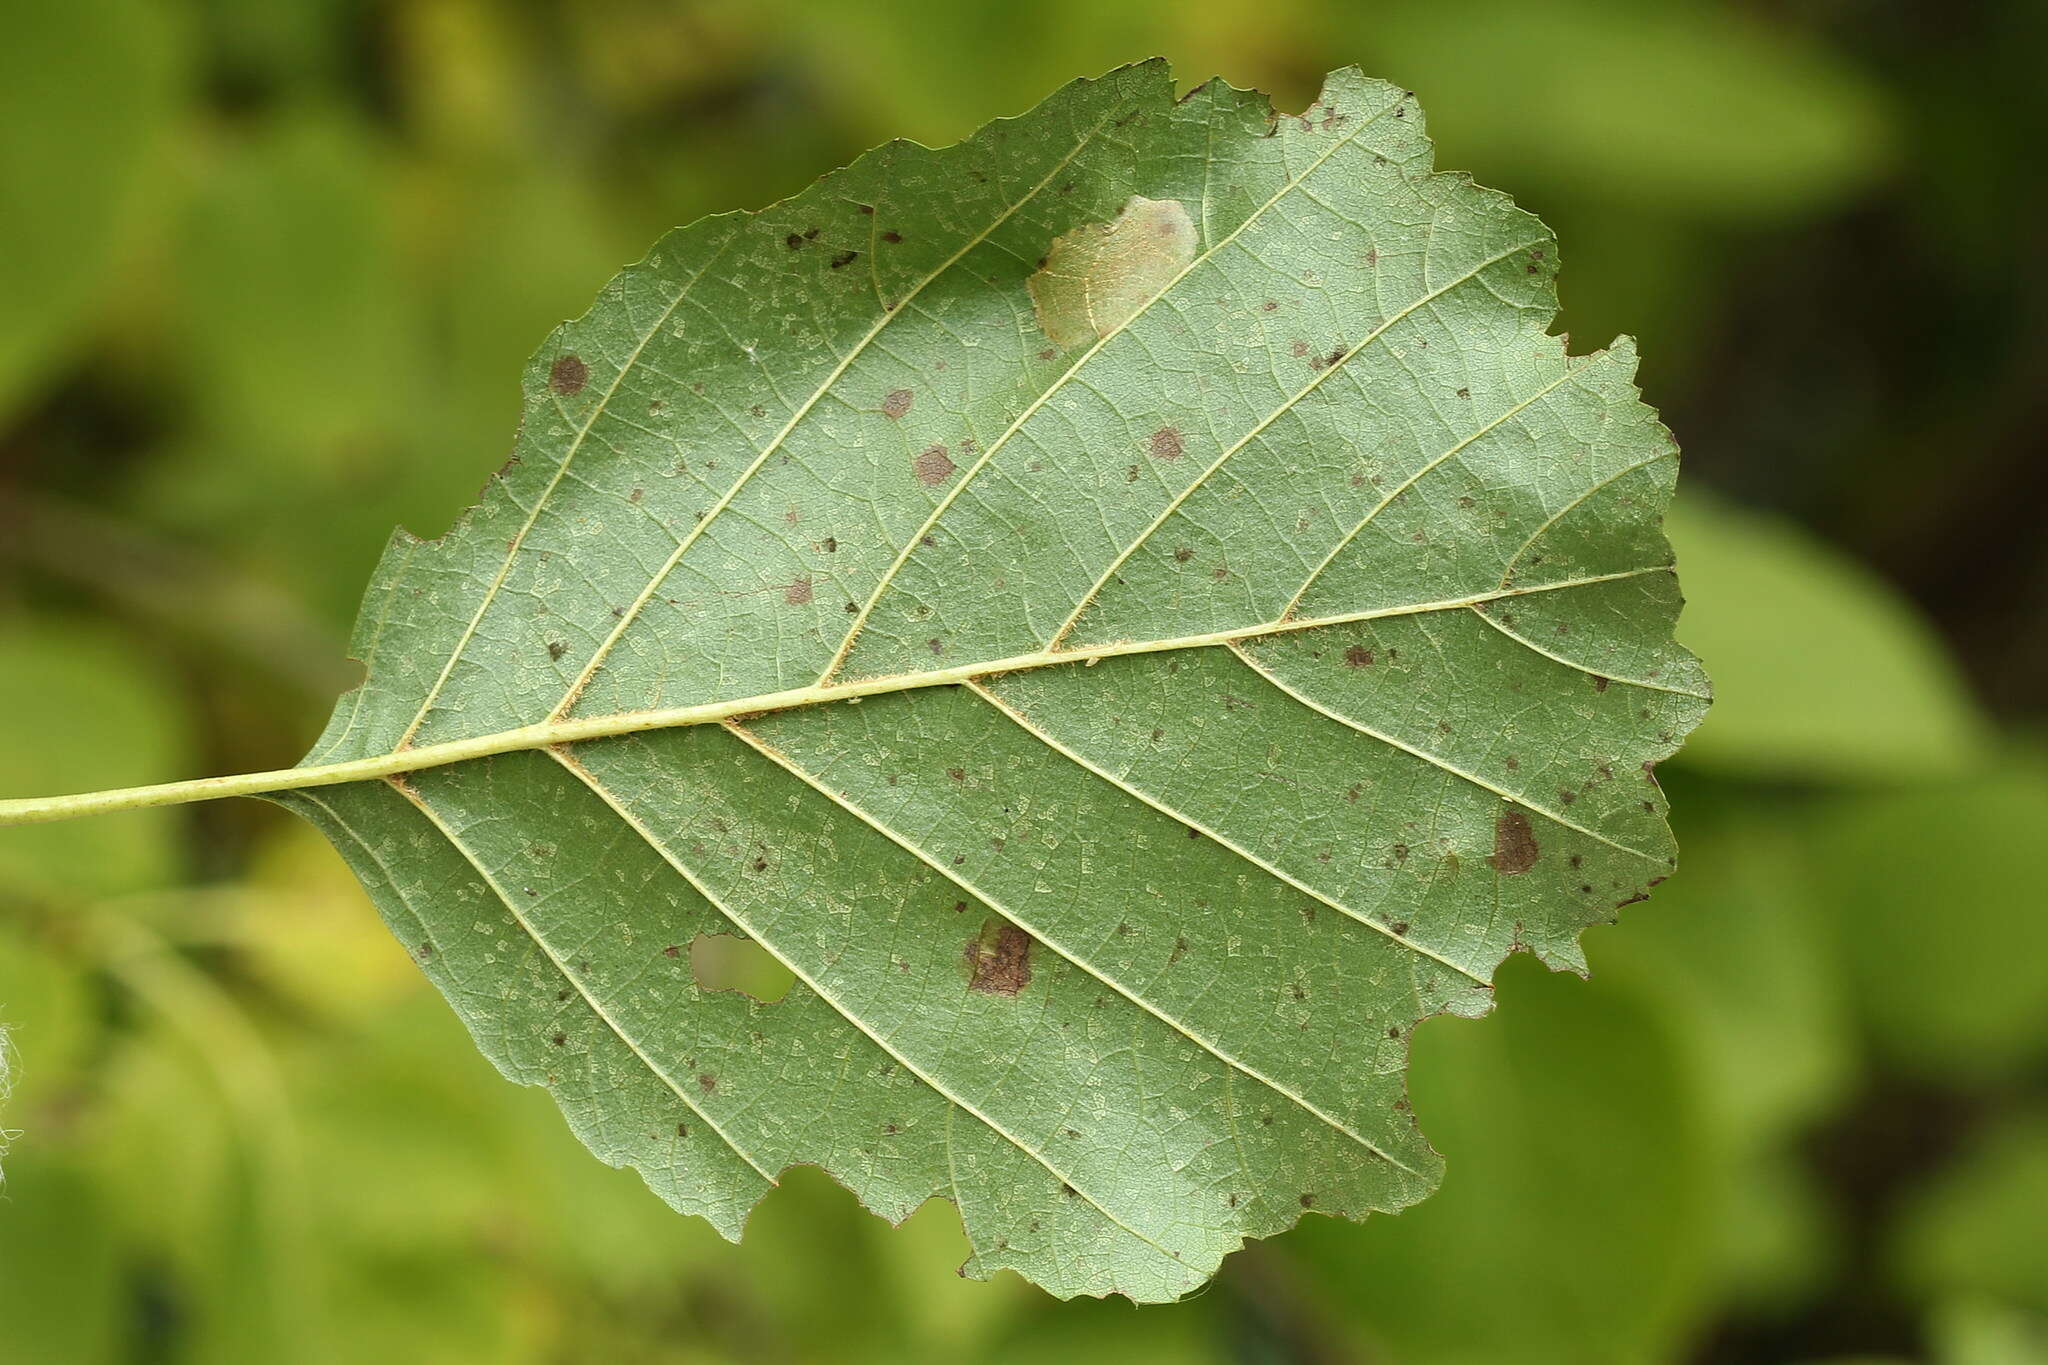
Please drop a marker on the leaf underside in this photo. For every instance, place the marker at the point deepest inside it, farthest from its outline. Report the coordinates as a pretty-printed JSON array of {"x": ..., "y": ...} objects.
[{"x": 1370, "y": 622}]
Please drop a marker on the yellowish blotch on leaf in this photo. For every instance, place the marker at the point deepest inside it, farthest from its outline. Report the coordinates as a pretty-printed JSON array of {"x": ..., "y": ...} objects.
[{"x": 1100, "y": 274}]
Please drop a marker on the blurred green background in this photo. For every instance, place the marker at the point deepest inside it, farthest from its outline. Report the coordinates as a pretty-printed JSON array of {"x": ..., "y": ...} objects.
[{"x": 268, "y": 273}]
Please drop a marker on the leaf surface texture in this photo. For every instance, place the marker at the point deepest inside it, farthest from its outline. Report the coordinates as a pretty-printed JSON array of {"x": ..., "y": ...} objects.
[{"x": 1133, "y": 610}]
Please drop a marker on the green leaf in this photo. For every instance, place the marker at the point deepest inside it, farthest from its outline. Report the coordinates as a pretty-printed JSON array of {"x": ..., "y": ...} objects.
[
  {"x": 1126, "y": 698},
  {"x": 1935, "y": 902},
  {"x": 1577, "y": 1223},
  {"x": 1825, "y": 672},
  {"x": 1975, "y": 1229},
  {"x": 138, "y": 729},
  {"x": 92, "y": 87}
]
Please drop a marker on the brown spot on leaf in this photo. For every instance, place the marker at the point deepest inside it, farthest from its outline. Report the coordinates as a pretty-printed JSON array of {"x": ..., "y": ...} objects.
[
  {"x": 797, "y": 593},
  {"x": 933, "y": 466},
  {"x": 556, "y": 649},
  {"x": 1183, "y": 555},
  {"x": 1166, "y": 443},
  {"x": 844, "y": 258},
  {"x": 898, "y": 402},
  {"x": 1599, "y": 683},
  {"x": 568, "y": 375},
  {"x": 892, "y": 237},
  {"x": 1514, "y": 844},
  {"x": 999, "y": 959},
  {"x": 707, "y": 1083},
  {"x": 1358, "y": 656}
]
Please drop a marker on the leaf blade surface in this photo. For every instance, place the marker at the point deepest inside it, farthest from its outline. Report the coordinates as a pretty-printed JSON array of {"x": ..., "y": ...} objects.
[{"x": 1127, "y": 699}]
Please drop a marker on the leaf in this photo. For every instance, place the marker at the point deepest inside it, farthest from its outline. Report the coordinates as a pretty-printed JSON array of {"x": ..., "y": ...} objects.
[
  {"x": 1123, "y": 740},
  {"x": 93, "y": 91},
  {"x": 1832, "y": 675},
  {"x": 1973, "y": 1230},
  {"x": 138, "y": 729},
  {"x": 1932, "y": 893},
  {"x": 1577, "y": 1225}
]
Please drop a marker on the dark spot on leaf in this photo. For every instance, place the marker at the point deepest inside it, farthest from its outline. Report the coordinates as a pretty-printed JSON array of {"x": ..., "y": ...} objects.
[
  {"x": 933, "y": 466},
  {"x": 556, "y": 649},
  {"x": 1358, "y": 656},
  {"x": 1166, "y": 444},
  {"x": 568, "y": 375},
  {"x": 1599, "y": 683},
  {"x": 1183, "y": 555},
  {"x": 707, "y": 1083},
  {"x": 798, "y": 593},
  {"x": 898, "y": 402},
  {"x": 1300, "y": 348},
  {"x": 1308, "y": 1201},
  {"x": 673, "y": 950},
  {"x": 999, "y": 959},
  {"x": 793, "y": 241},
  {"x": 935, "y": 646},
  {"x": 892, "y": 237},
  {"x": 1514, "y": 843},
  {"x": 559, "y": 1039},
  {"x": 1399, "y": 926},
  {"x": 844, "y": 258},
  {"x": 957, "y": 774}
]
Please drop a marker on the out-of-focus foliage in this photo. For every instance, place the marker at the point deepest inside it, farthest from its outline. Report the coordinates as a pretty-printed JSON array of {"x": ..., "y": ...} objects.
[{"x": 246, "y": 1130}]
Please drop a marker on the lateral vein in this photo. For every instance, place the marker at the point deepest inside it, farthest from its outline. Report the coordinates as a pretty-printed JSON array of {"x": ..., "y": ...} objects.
[{"x": 909, "y": 846}]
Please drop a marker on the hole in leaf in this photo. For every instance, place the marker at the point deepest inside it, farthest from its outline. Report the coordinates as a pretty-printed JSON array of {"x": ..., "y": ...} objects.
[{"x": 726, "y": 962}]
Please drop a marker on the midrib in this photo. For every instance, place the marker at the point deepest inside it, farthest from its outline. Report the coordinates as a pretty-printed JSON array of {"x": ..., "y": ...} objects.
[{"x": 578, "y": 729}]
